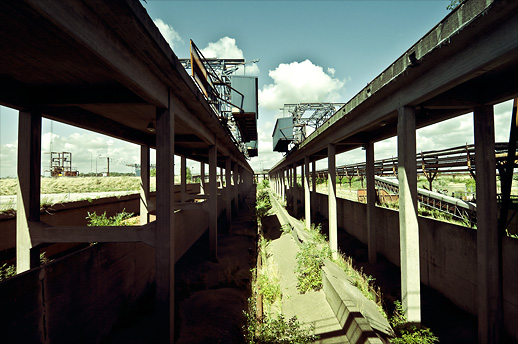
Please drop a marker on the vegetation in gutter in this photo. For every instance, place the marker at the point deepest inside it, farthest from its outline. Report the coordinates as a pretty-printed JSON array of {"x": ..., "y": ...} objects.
[
  {"x": 309, "y": 263},
  {"x": 9, "y": 270},
  {"x": 408, "y": 333},
  {"x": 265, "y": 323},
  {"x": 120, "y": 219}
]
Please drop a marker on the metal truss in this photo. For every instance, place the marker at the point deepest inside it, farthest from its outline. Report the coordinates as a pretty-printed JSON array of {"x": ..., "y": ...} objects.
[
  {"x": 217, "y": 89},
  {"x": 315, "y": 115}
]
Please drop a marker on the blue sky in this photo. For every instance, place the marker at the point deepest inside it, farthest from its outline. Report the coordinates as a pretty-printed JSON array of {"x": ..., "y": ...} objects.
[{"x": 308, "y": 51}]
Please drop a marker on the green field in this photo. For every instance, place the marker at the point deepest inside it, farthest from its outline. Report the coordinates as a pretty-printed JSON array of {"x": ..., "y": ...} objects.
[{"x": 79, "y": 184}]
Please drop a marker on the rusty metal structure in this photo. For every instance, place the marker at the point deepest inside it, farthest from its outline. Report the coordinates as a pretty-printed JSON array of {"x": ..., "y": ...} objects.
[
  {"x": 300, "y": 120},
  {"x": 61, "y": 165},
  {"x": 232, "y": 97}
]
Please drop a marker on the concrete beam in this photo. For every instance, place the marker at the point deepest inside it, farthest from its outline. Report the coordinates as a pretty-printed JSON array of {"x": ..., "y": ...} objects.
[
  {"x": 28, "y": 193},
  {"x": 408, "y": 225},
  {"x": 443, "y": 68},
  {"x": 81, "y": 23},
  {"x": 489, "y": 240},
  {"x": 371, "y": 202},
  {"x": 43, "y": 233},
  {"x": 333, "y": 215},
  {"x": 164, "y": 248}
]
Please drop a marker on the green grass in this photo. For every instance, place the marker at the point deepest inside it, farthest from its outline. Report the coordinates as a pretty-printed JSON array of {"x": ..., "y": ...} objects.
[
  {"x": 120, "y": 219},
  {"x": 274, "y": 329},
  {"x": 310, "y": 260},
  {"x": 78, "y": 184},
  {"x": 407, "y": 333}
]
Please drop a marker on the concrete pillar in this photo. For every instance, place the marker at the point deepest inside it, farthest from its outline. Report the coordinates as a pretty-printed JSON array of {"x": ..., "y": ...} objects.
[
  {"x": 183, "y": 179},
  {"x": 29, "y": 185},
  {"x": 228, "y": 190},
  {"x": 295, "y": 191},
  {"x": 307, "y": 193},
  {"x": 289, "y": 194},
  {"x": 277, "y": 183},
  {"x": 164, "y": 247},
  {"x": 202, "y": 178},
  {"x": 313, "y": 188},
  {"x": 303, "y": 194},
  {"x": 408, "y": 226},
  {"x": 489, "y": 241},
  {"x": 236, "y": 188},
  {"x": 144, "y": 184},
  {"x": 371, "y": 202},
  {"x": 333, "y": 216},
  {"x": 213, "y": 203}
]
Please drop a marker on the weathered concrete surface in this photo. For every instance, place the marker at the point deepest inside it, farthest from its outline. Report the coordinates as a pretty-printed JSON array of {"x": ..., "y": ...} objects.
[
  {"x": 451, "y": 324},
  {"x": 448, "y": 254},
  {"x": 310, "y": 308},
  {"x": 359, "y": 316},
  {"x": 75, "y": 299}
]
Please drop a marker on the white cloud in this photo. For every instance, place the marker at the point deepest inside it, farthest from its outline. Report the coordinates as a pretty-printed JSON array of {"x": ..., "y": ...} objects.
[
  {"x": 170, "y": 35},
  {"x": 8, "y": 159},
  {"x": 226, "y": 48},
  {"x": 300, "y": 82}
]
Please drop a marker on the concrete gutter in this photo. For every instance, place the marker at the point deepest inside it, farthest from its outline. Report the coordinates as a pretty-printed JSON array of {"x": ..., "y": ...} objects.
[{"x": 358, "y": 316}]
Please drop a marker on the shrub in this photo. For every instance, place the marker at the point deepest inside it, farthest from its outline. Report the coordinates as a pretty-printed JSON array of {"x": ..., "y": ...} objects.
[
  {"x": 407, "y": 333},
  {"x": 119, "y": 219},
  {"x": 265, "y": 183},
  {"x": 274, "y": 330},
  {"x": 263, "y": 204},
  {"x": 310, "y": 260},
  {"x": 268, "y": 285},
  {"x": 7, "y": 271}
]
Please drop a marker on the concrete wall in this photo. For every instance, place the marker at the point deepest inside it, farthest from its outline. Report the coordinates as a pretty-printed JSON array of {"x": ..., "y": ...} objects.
[
  {"x": 75, "y": 213},
  {"x": 75, "y": 299},
  {"x": 448, "y": 254},
  {"x": 72, "y": 213},
  {"x": 78, "y": 298}
]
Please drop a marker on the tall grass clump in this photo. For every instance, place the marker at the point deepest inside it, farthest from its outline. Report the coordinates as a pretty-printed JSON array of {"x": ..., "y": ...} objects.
[
  {"x": 310, "y": 259},
  {"x": 264, "y": 184},
  {"x": 263, "y": 204},
  {"x": 408, "y": 333},
  {"x": 275, "y": 329},
  {"x": 120, "y": 219}
]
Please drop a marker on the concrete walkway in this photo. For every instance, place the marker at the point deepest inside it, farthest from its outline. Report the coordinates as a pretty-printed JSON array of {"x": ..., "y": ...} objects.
[{"x": 311, "y": 308}]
